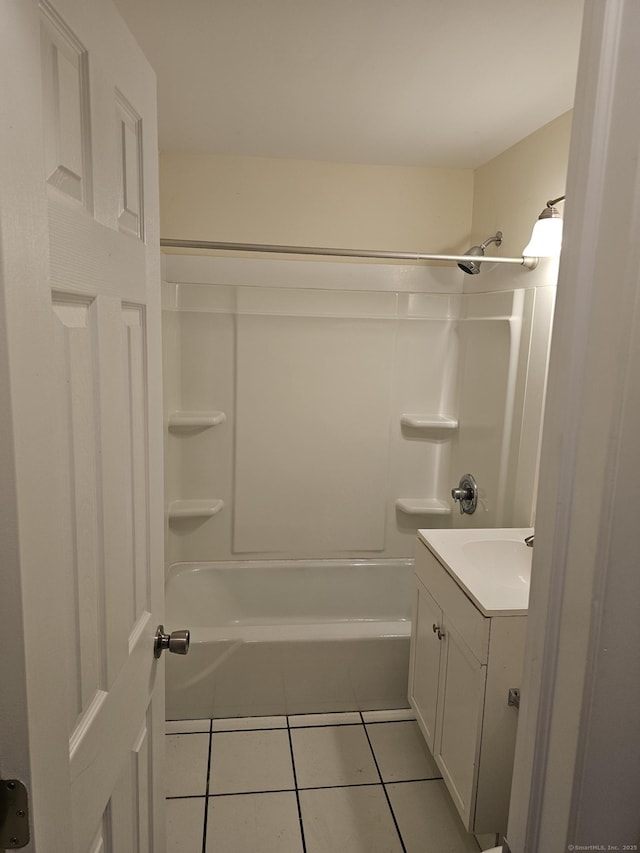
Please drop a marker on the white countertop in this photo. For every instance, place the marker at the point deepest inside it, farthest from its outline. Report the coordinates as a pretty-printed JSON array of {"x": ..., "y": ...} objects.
[{"x": 491, "y": 565}]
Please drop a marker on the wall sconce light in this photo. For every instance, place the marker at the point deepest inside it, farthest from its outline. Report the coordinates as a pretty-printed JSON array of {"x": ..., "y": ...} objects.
[{"x": 546, "y": 237}]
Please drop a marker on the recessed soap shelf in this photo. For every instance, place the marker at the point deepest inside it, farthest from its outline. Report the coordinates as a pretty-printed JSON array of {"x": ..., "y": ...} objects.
[
  {"x": 428, "y": 422},
  {"x": 423, "y": 506},
  {"x": 191, "y": 420},
  {"x": 200, "y": 508}
]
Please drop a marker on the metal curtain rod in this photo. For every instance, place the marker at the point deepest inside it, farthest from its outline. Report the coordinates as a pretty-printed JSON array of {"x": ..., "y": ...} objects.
[{"x": 529, "y": 263}]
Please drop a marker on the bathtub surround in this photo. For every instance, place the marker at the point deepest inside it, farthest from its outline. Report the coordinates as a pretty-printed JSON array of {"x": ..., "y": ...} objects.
[
  {"x": 341, "y": 387},
  {"x": 504, "y": 339}
]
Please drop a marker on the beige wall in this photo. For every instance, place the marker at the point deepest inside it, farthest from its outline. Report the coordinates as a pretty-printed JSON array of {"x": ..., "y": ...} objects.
[
  {"x": 293, "y": 202},
  {"x": 511, "y": 190}
]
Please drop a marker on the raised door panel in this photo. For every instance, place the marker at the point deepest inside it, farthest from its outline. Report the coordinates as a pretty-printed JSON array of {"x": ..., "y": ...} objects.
[
  {"x": 67, "y": 133},
  {"x": 424, "y": 667},
  {"x": 460, "y": 713},
  {"x": 130, "y": 189}
]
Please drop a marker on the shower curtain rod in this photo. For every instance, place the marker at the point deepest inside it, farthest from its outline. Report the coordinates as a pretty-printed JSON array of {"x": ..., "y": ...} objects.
[{"x": 529, "y": 263}]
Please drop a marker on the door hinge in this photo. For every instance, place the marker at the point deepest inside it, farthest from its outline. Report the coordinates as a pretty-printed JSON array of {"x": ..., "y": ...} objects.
[{"x": 14, "y": 815}]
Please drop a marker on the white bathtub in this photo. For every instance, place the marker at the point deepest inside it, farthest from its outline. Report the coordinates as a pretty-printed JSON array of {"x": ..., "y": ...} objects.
[{"x": 288, "y": 637}]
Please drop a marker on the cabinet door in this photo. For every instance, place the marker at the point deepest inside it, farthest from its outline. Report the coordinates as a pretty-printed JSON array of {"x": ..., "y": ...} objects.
[
  {"x": 424, "y": 667},
  {"x": 460, "y": 711}
]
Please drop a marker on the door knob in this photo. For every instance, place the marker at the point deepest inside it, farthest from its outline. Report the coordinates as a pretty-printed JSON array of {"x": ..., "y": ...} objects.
[{"x": 177, "y": 642}]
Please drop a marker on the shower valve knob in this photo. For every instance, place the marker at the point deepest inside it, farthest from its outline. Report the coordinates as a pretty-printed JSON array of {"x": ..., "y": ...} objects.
[
  {"x": 466, "y": 493},
  {"x": 177, "y": 642}
]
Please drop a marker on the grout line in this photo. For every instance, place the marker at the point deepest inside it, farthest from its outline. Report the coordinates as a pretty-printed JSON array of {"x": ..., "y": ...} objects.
[
  {"x": 324, "y": 726},
  {"x": 206, "y": 801},
  {"x": 384, "y": 788},
  {"x": 252, "y": 793},
  {"x": 341, "y": 787},
  {"x": 186, "y": 797},
  {"x": 306, "y": 788},
  {"x": 295, "y": 782},
  {"x": 172, "y": 734},
  {"x": 405, "y": 781},
  {"x": 236, "y": 731}
]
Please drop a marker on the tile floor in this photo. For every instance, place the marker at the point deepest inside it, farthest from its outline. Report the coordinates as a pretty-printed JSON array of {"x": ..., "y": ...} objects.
[{"x": 315, "y": 783}]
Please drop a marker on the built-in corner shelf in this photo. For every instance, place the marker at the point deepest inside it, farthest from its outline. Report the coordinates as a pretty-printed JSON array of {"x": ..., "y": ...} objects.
[
  {"x": 202, "y": 508},
  {"x": 195, "y": 420},
  {"x": 433, "y": 422},
  {"x": 423, "y": 506}
]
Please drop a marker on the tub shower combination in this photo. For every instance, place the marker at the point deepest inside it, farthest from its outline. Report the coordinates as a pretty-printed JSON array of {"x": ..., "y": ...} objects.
[
  {"x": 309, "y": 414},
  {"x": 289, "y": 637}
]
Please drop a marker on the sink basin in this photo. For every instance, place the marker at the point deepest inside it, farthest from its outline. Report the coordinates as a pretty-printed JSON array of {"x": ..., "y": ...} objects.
[
  {"x": 492, "y": 566},
  {"x": 507, "y": 561}
]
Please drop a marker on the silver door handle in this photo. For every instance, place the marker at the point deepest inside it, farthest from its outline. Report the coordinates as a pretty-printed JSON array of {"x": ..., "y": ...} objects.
[{"x": 177, "y": 642}]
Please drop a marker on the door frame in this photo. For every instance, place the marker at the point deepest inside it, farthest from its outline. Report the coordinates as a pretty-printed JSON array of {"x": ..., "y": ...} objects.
[{"x": 577, "y": 761}]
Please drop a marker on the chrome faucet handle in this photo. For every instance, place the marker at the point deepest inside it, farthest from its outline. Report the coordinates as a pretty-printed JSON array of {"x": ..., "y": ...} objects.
[
  {"x": 529, "y": 540},
  {"x": 467, "y": 494}
]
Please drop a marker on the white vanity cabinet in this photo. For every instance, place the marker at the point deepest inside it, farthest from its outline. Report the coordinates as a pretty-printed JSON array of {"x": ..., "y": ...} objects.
[{"x": 464, "y": 660}]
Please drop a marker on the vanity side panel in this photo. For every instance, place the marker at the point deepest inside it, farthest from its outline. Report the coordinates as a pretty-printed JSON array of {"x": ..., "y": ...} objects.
[
  {"x": 472, "y": 626},
  {"x": 504, "y": 670}
]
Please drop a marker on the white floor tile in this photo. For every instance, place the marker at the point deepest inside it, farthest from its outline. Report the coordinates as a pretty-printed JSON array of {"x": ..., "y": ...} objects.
[
  {"x": 185, "y": 825},
  {"x": 332, "y": 755},
  {"x": 341, "y": 719},
  {"x": 401, "y": 752},
  {"x": 250, "y": 761},
  {"x": 428, "y": 820},
  {"x": 356, "y": 820},
  {"x": 186, "y": 765},
  {"x": 388, "y": 716},
  {"x": 240, "y": 724},
  {"x": 247, "y": 823},
  {"x": 176, "y": 727}
]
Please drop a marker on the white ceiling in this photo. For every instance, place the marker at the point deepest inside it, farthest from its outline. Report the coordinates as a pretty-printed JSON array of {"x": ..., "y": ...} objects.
[{"x": 407, "y": 82}]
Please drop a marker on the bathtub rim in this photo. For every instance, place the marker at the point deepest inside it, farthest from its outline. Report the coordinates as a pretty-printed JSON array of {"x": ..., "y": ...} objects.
[{"x": 182, "y": 566}]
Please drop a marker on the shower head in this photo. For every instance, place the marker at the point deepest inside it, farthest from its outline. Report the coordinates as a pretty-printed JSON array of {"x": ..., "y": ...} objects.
[{"x": 472, "y": 267}]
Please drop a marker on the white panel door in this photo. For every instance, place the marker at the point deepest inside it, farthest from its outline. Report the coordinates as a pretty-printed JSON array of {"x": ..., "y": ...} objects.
[{"x": 81, "y": 428}]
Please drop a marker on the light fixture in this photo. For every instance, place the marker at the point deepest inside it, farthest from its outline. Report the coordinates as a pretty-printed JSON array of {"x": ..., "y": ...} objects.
[{"x": 546, "y": 237}]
